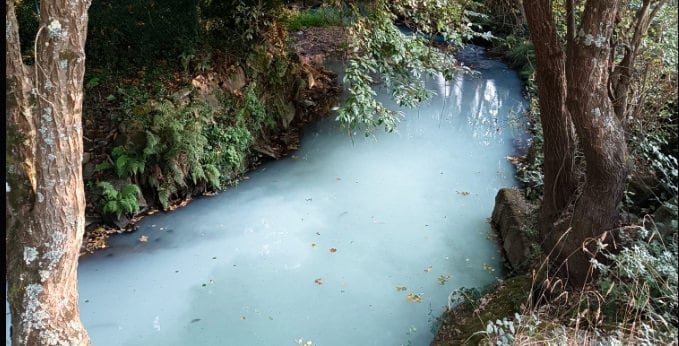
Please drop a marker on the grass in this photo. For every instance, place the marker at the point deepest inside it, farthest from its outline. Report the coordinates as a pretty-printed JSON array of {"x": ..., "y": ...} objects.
[{"x": 322, "y": 16}]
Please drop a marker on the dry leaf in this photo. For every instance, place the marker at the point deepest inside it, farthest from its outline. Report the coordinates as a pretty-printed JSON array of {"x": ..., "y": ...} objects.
[
  {"x": 319, "y": 281},
  {"x": 400, "y": 289},
  {"x": 443, "y": 279},
  {"x": 428, "y": 269},
  {"x": 333, "y": 250},
  {"x": 143, "y": 239},
  {"x": 414, "y": 298}
]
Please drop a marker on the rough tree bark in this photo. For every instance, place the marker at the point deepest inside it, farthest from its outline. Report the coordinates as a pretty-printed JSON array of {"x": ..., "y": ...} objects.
[
  {"x": 559, "y": 136},
  {"x": 601, "y": 133},
  {"x": 45, "y": 197}
]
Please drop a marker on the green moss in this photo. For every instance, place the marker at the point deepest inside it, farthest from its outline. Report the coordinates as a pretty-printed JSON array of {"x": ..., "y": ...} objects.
[{"x": 461, "y": 324}]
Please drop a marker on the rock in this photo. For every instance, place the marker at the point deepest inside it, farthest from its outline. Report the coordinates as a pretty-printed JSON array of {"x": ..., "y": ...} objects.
[
  {"x": 132, "y": 136},
  {"x": 510, "y": 220},
  {"x": 288, "y": 115},
  {"x": 236, "y": 79},
  {"x": 665, "y": 220}
]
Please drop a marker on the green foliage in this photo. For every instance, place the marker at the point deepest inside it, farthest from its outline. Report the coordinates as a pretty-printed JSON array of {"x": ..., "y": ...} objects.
[
  {"x": 642, "y": 277},
  {"x": 529, "y": 169},
  {"x": 119, "y": 202},
  {"x": 454, "y": 21},
  {"x": 640, "y": 282},
  {"x": 323, "y": 16},
  {"x": 253, "y": 111},
  {"x": 175, "y": 146},
  {"x": 124, "y": 164},
  {"x": 237, "y": 23},
  {"x": 399, "y": 60}
]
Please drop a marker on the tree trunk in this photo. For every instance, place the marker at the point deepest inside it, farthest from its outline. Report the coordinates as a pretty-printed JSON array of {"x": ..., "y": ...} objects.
[
  {"x": 559, "y": 138},
  {"x": 45, "y": 199},
  {"x": 582, "y": 98},
  {"x": 600, "y": 132}
]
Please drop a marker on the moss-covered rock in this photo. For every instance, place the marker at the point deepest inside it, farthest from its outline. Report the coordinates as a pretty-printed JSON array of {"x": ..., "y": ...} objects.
[{"x": 462, "y": 324}]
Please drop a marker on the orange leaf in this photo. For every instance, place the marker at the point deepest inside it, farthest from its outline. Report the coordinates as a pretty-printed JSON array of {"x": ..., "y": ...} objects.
[
  {"x": 333, "y": 250},
  {"x": 319, "y": 281}
]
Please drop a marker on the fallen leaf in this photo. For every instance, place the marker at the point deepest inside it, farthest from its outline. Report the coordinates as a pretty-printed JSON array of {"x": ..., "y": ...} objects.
[
  {"x": 333, "y": 250},
  {"x": 428, "y": 269},
  {"x": 295, "y": 157},
  {"x": 242, "y": 318},
  {"x": 313, "y": 244},
  {"x": 319, "y": 281},
  {"x": 401, "y": 289},
  {"x": 443, "y": 279},
  {"x": 489, "y": 268},
  {"x": 338, "y": 179},
  {"x": 143, "y": 239},
  {"x": 414, "y": 298},
  {"x": 463, "y": 193}
]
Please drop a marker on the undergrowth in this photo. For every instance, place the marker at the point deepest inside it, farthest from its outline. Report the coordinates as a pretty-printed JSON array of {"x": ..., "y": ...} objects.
[{"x": 633, "y": 300}]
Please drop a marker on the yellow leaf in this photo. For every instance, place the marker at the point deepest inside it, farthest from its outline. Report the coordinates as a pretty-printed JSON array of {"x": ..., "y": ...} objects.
[{"x": 414, "y": 298}]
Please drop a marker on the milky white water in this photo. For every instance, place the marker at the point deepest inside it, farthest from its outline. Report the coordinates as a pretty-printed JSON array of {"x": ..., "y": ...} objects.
[{"x": 327, "y": 245}]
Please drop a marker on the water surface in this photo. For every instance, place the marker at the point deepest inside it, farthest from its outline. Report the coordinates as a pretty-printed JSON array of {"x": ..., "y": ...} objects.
[{"x": 348, "y": 242}]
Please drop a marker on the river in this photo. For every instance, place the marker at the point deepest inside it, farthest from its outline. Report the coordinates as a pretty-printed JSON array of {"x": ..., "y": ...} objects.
[{"x": 350, "y": 241}]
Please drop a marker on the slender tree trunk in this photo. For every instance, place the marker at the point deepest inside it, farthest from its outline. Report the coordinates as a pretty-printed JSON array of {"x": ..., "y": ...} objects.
[
  {"x": 622, "y": 78},
  {"x": 45, "y": 199},
  {"x": 559, "y": 138},
  {"x": 600, "y": 132}
]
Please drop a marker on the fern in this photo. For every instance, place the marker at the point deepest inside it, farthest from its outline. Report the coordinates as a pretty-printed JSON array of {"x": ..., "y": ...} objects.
[{"x": 119, "y": 202}]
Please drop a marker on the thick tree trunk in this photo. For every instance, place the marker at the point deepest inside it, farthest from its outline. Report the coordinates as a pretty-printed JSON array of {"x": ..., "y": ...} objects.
[
  {"x": 559, "y": 138},
  {"x": 46, "y": 202},
  {"x": 601, "y": 135},
  {"x": 583, "y": 98}
]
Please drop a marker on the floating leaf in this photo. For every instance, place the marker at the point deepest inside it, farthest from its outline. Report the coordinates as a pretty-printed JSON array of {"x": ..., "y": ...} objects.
[
  {"x": 401, "y": 289},
  {"x": 428, "y": 269},
  {"x": 242, "y": 318},
  {"x": 338, "y": 179},
  {"x": 143, "y": 239},
  {"x": 333, "y": 250},
  {"x": 295, "y": 157},
  {"x": 414, "y": 298},
  {"x": 319, "y": 281},
  {"x": 313, "y": 244},
  {"x": 463, "y": 193},
  {"x": 443, "y": 279},
  {"x": 489, "y": 268}
]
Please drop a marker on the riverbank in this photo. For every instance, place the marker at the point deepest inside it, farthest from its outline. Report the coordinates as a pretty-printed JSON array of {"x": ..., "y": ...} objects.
[{"x": 318, "y": 89}]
